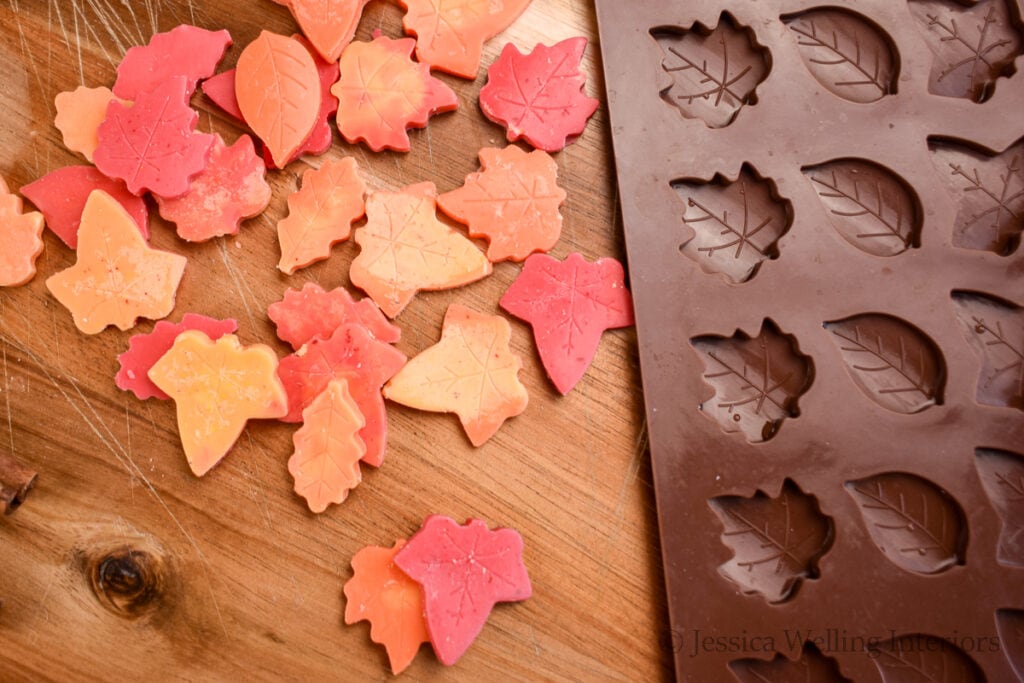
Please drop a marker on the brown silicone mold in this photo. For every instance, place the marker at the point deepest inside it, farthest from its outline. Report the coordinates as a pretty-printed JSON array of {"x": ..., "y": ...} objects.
[{"x": 823, "y": 206}]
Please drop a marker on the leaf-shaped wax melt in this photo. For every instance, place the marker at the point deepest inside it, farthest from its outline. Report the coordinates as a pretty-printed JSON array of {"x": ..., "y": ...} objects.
[
  {"x": 152, "y": 145},
  {"x": 471, "y": 372},
  {"x": 450, "y": 35},
  {"x": 325, "y": 464},
  {"x": 328, "y": 24},
  {"x": 353, "y": 354},
  {"x": 217, "y": 387},
  {"x": 303, "y": 315},
  {"x": 893, "y": 363},
  {"x": 847, "y": 54},
  {"x": 384, "y": 595},
  {"x": 144, "y": 350},
  {"x": 186, "y": 51},
  {"x": 22, "y": 237},
  {"x": 776, "y": 541},
  {"x": 405, "y": 249},
  {"x": 918, "y": 526},
  {"x": 569, "y": 304},
  {"x": 321, "y": 213},
  {"x": 278, "y": 92},
  {"x": 79, "y": 115},
  {"x": 464, "y": 571},
  {"x": 539, "y": 96},
  {"x": 117, "y": 278},
  {"x": 231, "y": 188},
  {"x": 61, "y": 196},
  {"x": 382, "y": 92},
  {"x": 513, "y": 201}
]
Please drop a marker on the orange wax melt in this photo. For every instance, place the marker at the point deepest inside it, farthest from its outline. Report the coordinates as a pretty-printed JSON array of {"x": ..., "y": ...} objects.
[
  {"x": 118, "y": 278},
  {"x": 328, "y": 448},
  {"x": 406, "y": 249},
  {"x": 22, "y": 237},
  {"x": 217, "y": 387},
  {"x": 470, "y": 372},
  {"x": 79, "y": 115}
]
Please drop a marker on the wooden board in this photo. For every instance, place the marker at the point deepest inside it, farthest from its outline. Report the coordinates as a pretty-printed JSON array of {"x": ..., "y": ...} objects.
[{"x": 122, "y": 563}]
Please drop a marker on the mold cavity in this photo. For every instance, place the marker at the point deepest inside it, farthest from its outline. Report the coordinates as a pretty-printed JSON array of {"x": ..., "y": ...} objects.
[
  {"x": 892, "y": 362},
  {"x": 757, "y": 380},
  {"x": 776, "y": 542},
  {"x": 995, "y": 328},
  {"x": 929, "y": 658},
  {"x": 849, "y": 55},
  {"x": 988, "y": 189},
  {"x": 736, "y": 222},
  {"x": 972, "y": 45},
  {"x": 714, "y": 71},
  {"x": 1002, "y": 475},
  {"x": 917, "y": 525},
  {"x": 871, "y": 207}
]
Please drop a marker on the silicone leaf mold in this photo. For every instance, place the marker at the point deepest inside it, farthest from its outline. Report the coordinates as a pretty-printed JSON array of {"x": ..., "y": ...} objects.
[
  {"x": 776, "y": 542},
  {"x": 989, "y": 192},
  {"x": 714, "y": 71},
  {"x": 847, "y": 54},
  {"x": 916, "y": 525},
  {"x": 736, "y": 223},
  {"x": 1002, "y": 475},
  {"x": 757, "y": 380},
  {"x": 1010, "y": 626},
  {"x": 922, "y": 658},
  {"x": 868, "y": 205},
  {"x": 995, "y": 329},
  {"x": 891, "y": 361},
  {"x": 972, "y": 46},
  {"x": 812, "y": 667}
]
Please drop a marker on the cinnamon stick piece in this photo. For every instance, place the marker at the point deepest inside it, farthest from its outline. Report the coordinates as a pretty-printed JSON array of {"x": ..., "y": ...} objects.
[{"x": 15, "y": 483}]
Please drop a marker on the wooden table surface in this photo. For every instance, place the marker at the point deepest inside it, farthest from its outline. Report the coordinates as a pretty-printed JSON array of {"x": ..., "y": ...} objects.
[{"x": 230, "y": 576}]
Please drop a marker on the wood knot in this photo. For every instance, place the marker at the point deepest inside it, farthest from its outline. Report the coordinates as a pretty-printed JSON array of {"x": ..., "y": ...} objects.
[{"x": 128, "y": 582}]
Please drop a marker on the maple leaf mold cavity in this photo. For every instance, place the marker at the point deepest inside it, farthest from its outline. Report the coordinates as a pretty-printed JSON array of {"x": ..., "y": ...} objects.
[
  {"x": 757, "y": 380},
  {"x": 710, "y": 73},
  {"x": 734, "y": 223}
]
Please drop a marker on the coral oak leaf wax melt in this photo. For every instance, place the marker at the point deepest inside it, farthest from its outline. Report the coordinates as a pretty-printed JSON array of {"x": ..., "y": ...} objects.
[
  {"x": 351, "y": 353},
  {"x": 450, "y": 35},
  {"x": 569, "y": 304},
  {"x": 470, "y": 372},
  {"x": 405, "y": 249},
  {"x": 321, "y": 213},
  {"x": 382, "y": 92},
  {"x": 79, "y": 115},
  {"x": 217, "y": 386},
  {"x": 512, "y": 201},
  {"x": 325, "y": 464},
  {"x": 384, "y": 595},
  {"x": 539, "y": 96},
  {"x": 118, "y": 278},
  {"x": 144, "y": 350},
  {"x": 328, "y": 24},
  {"x": 464, "y": 570}
]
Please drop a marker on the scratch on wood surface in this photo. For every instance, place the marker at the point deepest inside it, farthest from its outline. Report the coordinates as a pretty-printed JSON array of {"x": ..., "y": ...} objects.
[
  {"x": 91, "y": 31},
  {"x": 109, "y": 440},
  {"x": 233, "y": 274},
  {"x": 135, "y": 20},
  {"x": 257, "y": 485},
  {"x": 55, "y": 7},
  {"x": 110, "y": 26},
  {"x": 628, "y": 479},
  {"x": 7, "y": 398}
]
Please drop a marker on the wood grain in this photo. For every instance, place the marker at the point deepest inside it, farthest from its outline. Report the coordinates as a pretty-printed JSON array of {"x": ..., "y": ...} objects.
[{"x": 122, "y": 563}]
